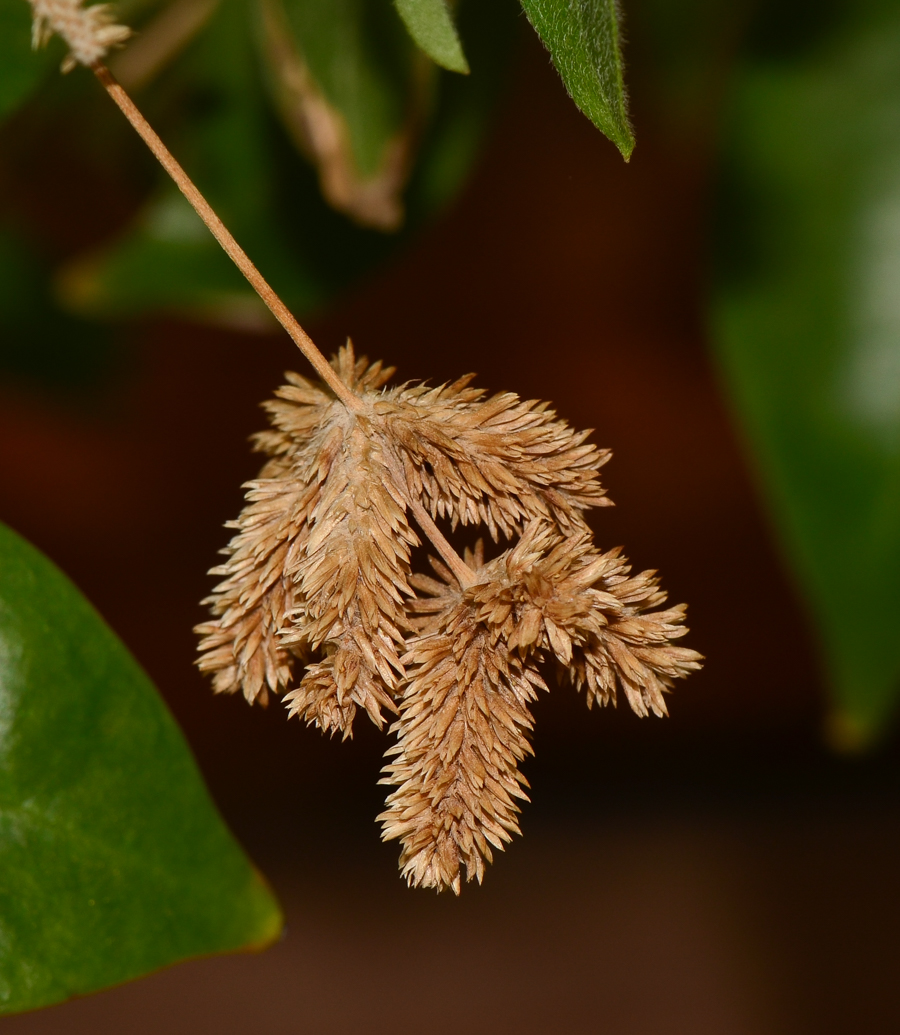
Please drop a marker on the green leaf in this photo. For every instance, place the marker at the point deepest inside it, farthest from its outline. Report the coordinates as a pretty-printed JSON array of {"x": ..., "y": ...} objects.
[
  {"x": 113, "y": 858},
  {"x": 583, "y": 39},
  {"x": 21, "y": 68},
  {"x": 351, "y": 92},
  {"x": 431, "y": 25},
  {"x": 38, "y": 340},
  {"x": 807, "y": 322}
]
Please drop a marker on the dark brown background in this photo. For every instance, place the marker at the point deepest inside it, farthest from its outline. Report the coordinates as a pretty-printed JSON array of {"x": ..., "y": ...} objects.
[{"x": 716, "y": 872}]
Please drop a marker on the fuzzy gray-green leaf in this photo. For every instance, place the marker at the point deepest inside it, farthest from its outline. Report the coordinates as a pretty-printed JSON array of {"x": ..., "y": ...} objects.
[{"x": 583, "y": 39}]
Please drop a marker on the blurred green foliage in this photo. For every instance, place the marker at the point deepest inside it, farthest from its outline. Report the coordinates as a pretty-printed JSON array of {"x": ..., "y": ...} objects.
[
  {"x": 37, "y": 339},
  {"x": 359, "y": 61},
  {"x": 21, "y": 71},
  {"x": 114, "y": 859},
  {"x": 321, "y": 130},
  {"x": 319, "y": 181},
  {"x": 807, "y": 321}
]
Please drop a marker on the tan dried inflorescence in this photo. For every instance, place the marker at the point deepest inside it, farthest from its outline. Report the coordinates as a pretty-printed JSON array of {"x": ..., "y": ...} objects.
[
  {"x": 90, "y": 32},
  {"x": 319, "y": 575}
]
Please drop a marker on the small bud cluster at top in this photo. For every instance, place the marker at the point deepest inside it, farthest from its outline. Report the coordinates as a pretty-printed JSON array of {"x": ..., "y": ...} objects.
[{"x": 90, "y": 32}]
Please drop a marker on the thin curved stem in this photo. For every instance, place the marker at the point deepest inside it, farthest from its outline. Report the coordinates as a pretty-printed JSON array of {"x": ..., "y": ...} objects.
[
  {"x": 279, "y": 310},
  {"x": 222, "y": 234},
  {"x": 464, "y": 574}
]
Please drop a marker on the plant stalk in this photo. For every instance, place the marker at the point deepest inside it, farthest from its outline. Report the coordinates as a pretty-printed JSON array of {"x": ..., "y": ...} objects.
[
  {"x": 221, "y": 233},
  {"x": 279, "y": 310}
]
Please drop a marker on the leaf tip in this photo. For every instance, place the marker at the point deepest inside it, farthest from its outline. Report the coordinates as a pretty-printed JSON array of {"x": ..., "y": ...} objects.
[
  {"x": 618, "y": 131},
  {"x": 849, "y": 734},
  {"x": 461, "y": 66},
  {"x": 269, "y": 924},
  {"x": 431, "y": 26}
]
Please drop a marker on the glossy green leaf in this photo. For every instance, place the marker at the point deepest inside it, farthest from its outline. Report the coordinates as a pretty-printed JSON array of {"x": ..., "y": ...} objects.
[
  {"x": 113, "y": 859},
  {"x": 21, "y": 68},
  {"x": 807, "y": 322},
  {"x": 583, "y": 39},
  {"x": 431, "y": 25}
]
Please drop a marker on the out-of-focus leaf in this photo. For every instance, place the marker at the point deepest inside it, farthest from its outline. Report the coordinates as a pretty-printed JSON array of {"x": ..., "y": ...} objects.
[
  {"x": 682, "y": 52},
  {"x": 114, "y": 860},
  {"x": 583, "y": 39},
  {"x": 431, "y": 25},
  {"x": 214, "y": 117},
  {"x": 21, "y": 68},
  {"x": 37, "y": 339},
  {"x": 807, "y": 322},
  {"x": 168, "y": 260},
  {"x": 465, "y": 104},
  {"x": 354, "y": 93},
  {"x": 161, "y": 37}
]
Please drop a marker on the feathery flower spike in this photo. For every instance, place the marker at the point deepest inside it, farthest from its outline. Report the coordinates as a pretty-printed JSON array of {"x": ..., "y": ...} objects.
[
  {"x": 319, "y": 572},
  {"x": 464, "y": 720},
  {"x": 90, "y": 32},
  {"x": 328, "y": 540}
]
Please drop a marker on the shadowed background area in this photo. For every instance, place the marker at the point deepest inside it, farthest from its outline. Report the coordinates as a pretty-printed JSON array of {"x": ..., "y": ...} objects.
[{"x": 718, "y": 871}]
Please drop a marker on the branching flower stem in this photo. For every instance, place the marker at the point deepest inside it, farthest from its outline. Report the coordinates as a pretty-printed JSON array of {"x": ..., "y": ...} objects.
[
  {"x": 464, "y": 574},
  {"x": 267, "y": 293},
  {"x": 320, "y": 571}
]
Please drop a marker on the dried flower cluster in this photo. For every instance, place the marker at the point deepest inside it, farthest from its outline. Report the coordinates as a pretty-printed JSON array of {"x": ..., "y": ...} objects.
[
  {"x": 90, "y": 32},
  {"x": 319, "y": 575}
]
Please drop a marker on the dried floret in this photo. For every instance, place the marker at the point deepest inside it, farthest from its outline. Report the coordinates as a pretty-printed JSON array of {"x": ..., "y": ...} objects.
[
  {"x": 351, "y": 575},
  {"x": 240, "y": 645},
  {"x": 90, "y": 32},
  {"x": 497, "y": 462},
  {"x": 339, "y": 533}
]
